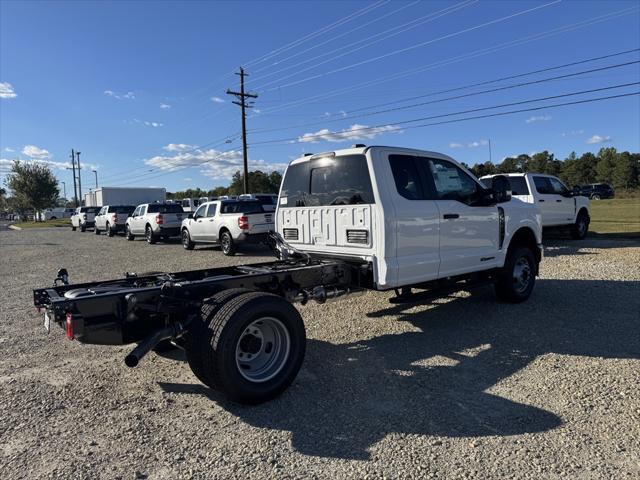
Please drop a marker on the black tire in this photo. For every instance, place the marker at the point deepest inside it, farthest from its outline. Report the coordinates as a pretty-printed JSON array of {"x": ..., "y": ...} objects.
[
  {"x": 187, "y": 243},
  {"x": 199, "y": 335},
  {"x": 54, "y": 218},
  {"x": 580, "y": 229},
  {"x": 231, "y": 335},
  {"x": 96, "y": 231},
  {"x": 595, "y": 196},
  {"x": 227, "y": 245},
  {"x": 516, "y": 281},
  {"x": 127, "y": 234},
  {"x": 151, "y": 238},
  {"x": 73, "y": 229},
  {"x": 83, "y": 228},
  {"x": 110, "y": 232}
]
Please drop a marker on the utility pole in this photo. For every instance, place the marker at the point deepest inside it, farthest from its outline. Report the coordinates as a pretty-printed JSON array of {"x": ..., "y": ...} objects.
[
  {"x": 73, "y": 167},
  {"x": 96, "y": 174},
  {"x": 79, "y": 178},
  {"x": 241, "y": 96},
  {"x": 64, "y": 186},
  {"x": 490, "y": 159}
]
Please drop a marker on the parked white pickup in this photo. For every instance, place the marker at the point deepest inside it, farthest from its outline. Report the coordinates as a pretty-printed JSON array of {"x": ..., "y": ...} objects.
[
  {"x": 560, "y": 207},
  {"x": 414, "y": 216},
  {"x": 227, "y": 223}
]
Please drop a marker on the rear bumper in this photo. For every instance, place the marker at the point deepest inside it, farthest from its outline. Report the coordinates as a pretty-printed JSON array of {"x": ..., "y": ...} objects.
[
  {"x": 252, "y": 238},
  {"x": 168, "y": 231}
]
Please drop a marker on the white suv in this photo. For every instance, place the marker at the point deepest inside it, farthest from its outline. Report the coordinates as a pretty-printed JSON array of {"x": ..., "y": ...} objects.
[
  {"x": 154, "y": 221},
  {"x": 83, "y": 218},
  {"x": 112, "y": 218}
]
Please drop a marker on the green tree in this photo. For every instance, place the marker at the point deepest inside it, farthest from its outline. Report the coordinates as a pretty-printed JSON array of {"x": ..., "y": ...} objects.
[
  {"x": 606, "y": 163},
  {"x": 625, "y": 173},
  {"x": 259, "y": 182},
  {"x": 33, "y": 185}
]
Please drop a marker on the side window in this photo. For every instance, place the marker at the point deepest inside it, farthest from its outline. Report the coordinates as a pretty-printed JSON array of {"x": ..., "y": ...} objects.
[
  {"x": 200, "y": 211},
  {"x": 406, "y": 177},
  {"x": 543, "y": 185},
  {"x": 143, "y": 210},
  {"x": 185, "y": 203},
  {"x": 211, "y": 211},
  {"x": 558, "y": 186},
  {"x": 518, "y": 186},
  {"x": 136, "y": 212},
  {"x": 451, "y": 183}
]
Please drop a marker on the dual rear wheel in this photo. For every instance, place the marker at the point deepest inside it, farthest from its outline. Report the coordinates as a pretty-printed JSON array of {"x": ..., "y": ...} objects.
[{"x": 247, "y": 345}]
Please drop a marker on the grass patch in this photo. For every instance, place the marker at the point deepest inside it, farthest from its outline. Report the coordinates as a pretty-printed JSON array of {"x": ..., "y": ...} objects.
[
  {"x": 619, "y": 217},
  {"x": 58, "y": 222}
]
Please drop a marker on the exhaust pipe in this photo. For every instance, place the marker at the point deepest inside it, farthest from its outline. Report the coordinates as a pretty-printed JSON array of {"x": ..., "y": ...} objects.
[
  {"x": 146, "y": 345},
  {"x": 323, "y": 294}
]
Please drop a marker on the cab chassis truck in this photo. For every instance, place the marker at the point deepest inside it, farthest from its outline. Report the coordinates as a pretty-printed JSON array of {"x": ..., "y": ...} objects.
[{"x": 240, "y": 331}]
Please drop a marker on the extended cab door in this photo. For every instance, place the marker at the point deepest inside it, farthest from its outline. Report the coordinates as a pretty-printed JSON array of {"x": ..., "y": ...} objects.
[
  {"x": 469, "y": 229},
  {"x": 565, "y": 203},
  {"x": 416, "y": 220}
]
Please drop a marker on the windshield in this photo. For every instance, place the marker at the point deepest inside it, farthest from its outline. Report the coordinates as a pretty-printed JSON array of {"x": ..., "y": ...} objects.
[
  {"x": 165, "y": 208},
  {"x": 327, "y": 181},
  {"x": 243, "y": 206}
]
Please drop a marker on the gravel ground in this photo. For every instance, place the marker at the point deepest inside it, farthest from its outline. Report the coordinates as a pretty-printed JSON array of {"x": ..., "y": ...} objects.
[{"x": 462, "y": 387}]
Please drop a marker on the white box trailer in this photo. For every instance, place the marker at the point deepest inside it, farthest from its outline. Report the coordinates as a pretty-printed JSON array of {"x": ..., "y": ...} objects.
[{"x": 124, "y": 196}]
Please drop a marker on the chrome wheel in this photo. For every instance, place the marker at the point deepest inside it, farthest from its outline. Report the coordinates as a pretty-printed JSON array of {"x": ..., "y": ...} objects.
[
  {"x": 522, "y": 274},
  {"x": 262, "y": 349}
]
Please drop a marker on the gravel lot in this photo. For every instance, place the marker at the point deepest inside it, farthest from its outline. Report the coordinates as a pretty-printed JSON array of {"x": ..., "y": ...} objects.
[{"x": 463, "y": 387}]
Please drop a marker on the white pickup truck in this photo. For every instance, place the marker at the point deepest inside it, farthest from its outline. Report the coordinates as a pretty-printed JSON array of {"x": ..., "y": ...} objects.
[
  {"x": 364, "y": 218},
  {"x": 154, "y": 221},
  {"x": 112, "y": 219},
  {"x": 560, "y": 207},
  {"x": 83, "y": 218},
  {"x": 227, "y": 223}
]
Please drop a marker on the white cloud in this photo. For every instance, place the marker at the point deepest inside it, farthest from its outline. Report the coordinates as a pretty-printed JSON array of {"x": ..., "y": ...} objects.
[
  {"x": 120, "y": 96},
  {"x": 153, "y": 124},
  {"x": 354, "y": 132},
  {"x": 165, "y": 106},
  {"x": 572, "y": 133},
  {"x": 599, "y": 139},
  {"x": 212, "y": 163},
  {"x": 7, "y": 149},
  {"x": 217, "y": 100},
  {"x": 187, "y": 179},
  {"x": 538, "y": 118},
  {"x": 7, "y": 91},
  {"x": 178, "y": 147},
  {"x": 5, "y": 164},
  {"x": 36, "y": 153},
  {"x": 476, "y": 143}
]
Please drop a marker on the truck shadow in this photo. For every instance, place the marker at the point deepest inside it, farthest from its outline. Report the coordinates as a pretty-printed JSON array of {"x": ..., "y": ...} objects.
[
  {"x": 557, "y": 245},
  {"x": 436, "y": 381}
]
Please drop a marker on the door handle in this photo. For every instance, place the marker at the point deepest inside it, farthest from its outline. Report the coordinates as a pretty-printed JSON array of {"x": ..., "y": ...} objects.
[
  {"x": 450, "y": 216},
  {"x": 558, "y": 201},
  {"x": 541, "y": 200}
]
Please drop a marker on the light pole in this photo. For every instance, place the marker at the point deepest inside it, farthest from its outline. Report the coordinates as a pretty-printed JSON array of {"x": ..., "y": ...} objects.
[
  {"x": 64, "y": 186},
  {"x": 96, "y": 174},
  {"x": 79, "y": 180}
]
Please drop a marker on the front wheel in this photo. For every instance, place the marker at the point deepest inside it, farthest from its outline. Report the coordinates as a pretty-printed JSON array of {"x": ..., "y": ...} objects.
[
  {"x": 581, "y": 227},
  {"x": 255, "y": 347},
  {"x": 187, "y": 243},
  {"x": 595, "y": 197},
  {"x": 227, "y": 245},
  {"x": 83, "y": 228},
  {"x": 110, "y": 232},
  {"x": 518, "y": 277},
  {"x": 73, "y": 229},
  {"x": 96, "y": 231},
  {"x": 127, "y": 233}
]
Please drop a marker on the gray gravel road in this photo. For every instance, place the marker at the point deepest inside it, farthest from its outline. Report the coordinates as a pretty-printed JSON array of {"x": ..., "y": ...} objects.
[{"x": 463, "y": 387}]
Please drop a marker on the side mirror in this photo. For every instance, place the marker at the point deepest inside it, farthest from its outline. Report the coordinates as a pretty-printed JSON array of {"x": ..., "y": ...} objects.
[
  {"x": 190, "y": 216},
  {"x": 501, "y": 188}
]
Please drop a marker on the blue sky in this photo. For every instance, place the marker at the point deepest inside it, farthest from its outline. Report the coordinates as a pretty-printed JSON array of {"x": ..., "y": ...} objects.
[{"x": 139, "y": 87}]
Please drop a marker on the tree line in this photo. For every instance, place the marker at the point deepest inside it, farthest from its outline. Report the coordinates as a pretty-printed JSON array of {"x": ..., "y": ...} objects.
[
  {"x": 259, "y": 182},
  {"x": 620, "y": 169}
]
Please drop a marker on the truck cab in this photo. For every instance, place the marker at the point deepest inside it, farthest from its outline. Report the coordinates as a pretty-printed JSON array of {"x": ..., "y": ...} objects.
[
  {"x": 414, "y": 216},
  {"x": 559, "y": 206}
]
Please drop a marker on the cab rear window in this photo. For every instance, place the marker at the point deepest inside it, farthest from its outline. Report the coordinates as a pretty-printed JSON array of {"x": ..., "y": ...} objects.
[
  {"x": 328, "y": 181},
  {"x": 242, "y": 206},
  {"x": 165, "y": 208}
]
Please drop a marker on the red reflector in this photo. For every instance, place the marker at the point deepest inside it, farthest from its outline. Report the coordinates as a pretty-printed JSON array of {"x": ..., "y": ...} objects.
[
  {"x": 69, "y": 326},
  {"x": 243, "y": 223},
  {"x": 159, "y": 219}
]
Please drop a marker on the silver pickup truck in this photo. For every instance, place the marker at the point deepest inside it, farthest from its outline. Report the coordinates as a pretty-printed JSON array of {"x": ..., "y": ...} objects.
[
  {"x": 154, "y": 221},
  {"x": 227, "y": 223}
]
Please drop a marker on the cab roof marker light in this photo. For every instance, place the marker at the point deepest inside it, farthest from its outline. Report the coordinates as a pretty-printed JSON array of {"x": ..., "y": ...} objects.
[{"x": 318, "y": 156}]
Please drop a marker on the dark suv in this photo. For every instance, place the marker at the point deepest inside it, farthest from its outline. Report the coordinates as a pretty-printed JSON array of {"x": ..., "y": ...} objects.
[{"x": 597, "y": 191}]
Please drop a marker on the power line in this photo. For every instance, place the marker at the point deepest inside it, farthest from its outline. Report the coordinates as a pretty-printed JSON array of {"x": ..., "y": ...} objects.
[
  {"x": 401, "y": 50},
  {"x": 446, "y": 99},
  {"x": 393, "y": 124},
  {"x": 456, "y": 59},
  {"x": 378, "y": 36}
]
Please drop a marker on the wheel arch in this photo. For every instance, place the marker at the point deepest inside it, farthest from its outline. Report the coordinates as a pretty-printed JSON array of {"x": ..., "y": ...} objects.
[{"x": 525, "y": 236}]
